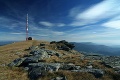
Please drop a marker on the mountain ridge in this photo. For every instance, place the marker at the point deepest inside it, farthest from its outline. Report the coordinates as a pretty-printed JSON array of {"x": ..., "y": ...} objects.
[{"x": 96, "y": 48}]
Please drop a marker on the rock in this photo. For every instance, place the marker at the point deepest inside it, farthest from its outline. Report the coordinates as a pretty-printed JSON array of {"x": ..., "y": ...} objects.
[
  {"x": 47, "y": 66},
  {"x": 2, "y": 65},
  {"x": 26, "y": 68},
  {"x": 50, "y": 52},
  {"x": 41, "y": 52},
  {"x": 58, "y": 55},
  {"x": 33, "y": 48},
  {"x": 36, "y": 73},
  {"x": 63, "y": 41},
  {"x": 17, "y": 53},
  {"x": 97, "y": 73},
  {"x": 52, "y": 42},
  {"x": 42, "y": 44},
  {"x": 31, "y": 59},
  {"x": 63, "y": 47},
  {"x": 16, "y": 62},
  {"x": 69, "y": 45},
  {"x": 59, "y": 78},
  {"x": 70, "y": 66},
  {"x": 35, "y": 59},
  {"x": 77, "y": 67},
  {"x": 89, "y": 67},
  {"x": 39, "y": 69}
]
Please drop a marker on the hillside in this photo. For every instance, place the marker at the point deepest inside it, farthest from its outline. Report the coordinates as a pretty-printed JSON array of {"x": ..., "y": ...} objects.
[{"x": 18, "y": 61}]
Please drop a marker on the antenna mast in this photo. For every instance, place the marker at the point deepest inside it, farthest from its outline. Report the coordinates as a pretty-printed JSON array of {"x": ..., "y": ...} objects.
[{"x": 27, "y": 28}]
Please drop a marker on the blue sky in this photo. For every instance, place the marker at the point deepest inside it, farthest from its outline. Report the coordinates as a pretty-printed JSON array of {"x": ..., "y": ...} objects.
[{"x": 95, "y": 21}]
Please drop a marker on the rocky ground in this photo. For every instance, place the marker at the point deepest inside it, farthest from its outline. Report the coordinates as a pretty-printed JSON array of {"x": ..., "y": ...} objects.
[{"x": 42, "y": 60}]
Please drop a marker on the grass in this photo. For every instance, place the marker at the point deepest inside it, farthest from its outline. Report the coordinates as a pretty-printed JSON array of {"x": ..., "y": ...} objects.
[
  {"x": 8, "y": 54},
  {"x": 70, "y": 75}
]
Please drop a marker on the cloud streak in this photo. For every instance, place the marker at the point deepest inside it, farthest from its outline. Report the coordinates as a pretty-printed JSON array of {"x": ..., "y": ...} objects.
[
  {"x": 112, "y": 24},
  {"x": 96, "y": 13},
  {"x": 49, "y": 24}
]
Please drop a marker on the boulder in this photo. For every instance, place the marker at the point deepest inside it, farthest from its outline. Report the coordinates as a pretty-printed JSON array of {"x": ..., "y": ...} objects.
[
  {"x": 70, "y": 66},
  {"x": 47, "y": 66},
  {"x": 42, "y": 44},
  {"x": 58, "y": 55},
  {"x": 50, "y": 52},
  {"x": 71, "y": 46},
  {"x": 60, "y": 78},
  {"x": 35, "y": 58},
  {"x": 62, "y": 41},
  {"x": 52, "y": 42},
  {"x": 89, "y": 67},
  {"x": 64, "y": 47},
  {"x": 33, "y": 48},
  {"x": 36, "y": 73},
  {"x": 16, "y": 62},
  {"x": 31, "y": 59},
  {"x": 39, "y": 52},
  {"x": 37, "y": 70},
  {"x": 97, "y": 73}
]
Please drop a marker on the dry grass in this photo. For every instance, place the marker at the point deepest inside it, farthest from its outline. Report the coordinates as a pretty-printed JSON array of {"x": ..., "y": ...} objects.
[
  {"x": 15, "y": 50},
  {"x": 70, "y": 76},
  {"x": 10, "y": 52}
]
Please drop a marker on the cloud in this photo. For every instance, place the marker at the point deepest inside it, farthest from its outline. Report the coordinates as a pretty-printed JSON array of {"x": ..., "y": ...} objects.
[
  {"x": 5, "y": 21},
  {"x": 49, "y": 24},
  {"x": 75, "y": 11},
  {"x": 17, "y": 33},
  {"x": 57, "y": 33},
  {"x": 60, "y": 24},
  {"x": 11, "y": 24},
  {"x": 7, "y": 36},
  {"x": 96, "y": 13},
  {"x": 112, "y": 24}
]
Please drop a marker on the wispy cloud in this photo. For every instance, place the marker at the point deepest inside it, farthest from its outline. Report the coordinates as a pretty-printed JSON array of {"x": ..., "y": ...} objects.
[
  {"x": 11, "y": 24},
  {"x": 49, "y": 24},
  {"x": 60, "y": 24},
  {"x": 112, "y": 24},
  {"x": 96, "y": 13},
  {"x": 7, "y": 36},
  {"x": 17, "y": 33}
]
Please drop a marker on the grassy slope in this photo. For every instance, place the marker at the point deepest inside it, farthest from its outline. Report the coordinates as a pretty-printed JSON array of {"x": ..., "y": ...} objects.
[{"x": 8, "y": 54}]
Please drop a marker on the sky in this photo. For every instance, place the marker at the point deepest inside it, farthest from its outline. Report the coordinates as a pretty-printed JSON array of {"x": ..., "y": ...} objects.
[{"x": 95, "y": 21}]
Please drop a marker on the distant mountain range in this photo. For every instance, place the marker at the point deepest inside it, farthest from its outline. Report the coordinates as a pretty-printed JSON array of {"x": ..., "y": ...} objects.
[{"x": 96, "y": 48}]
